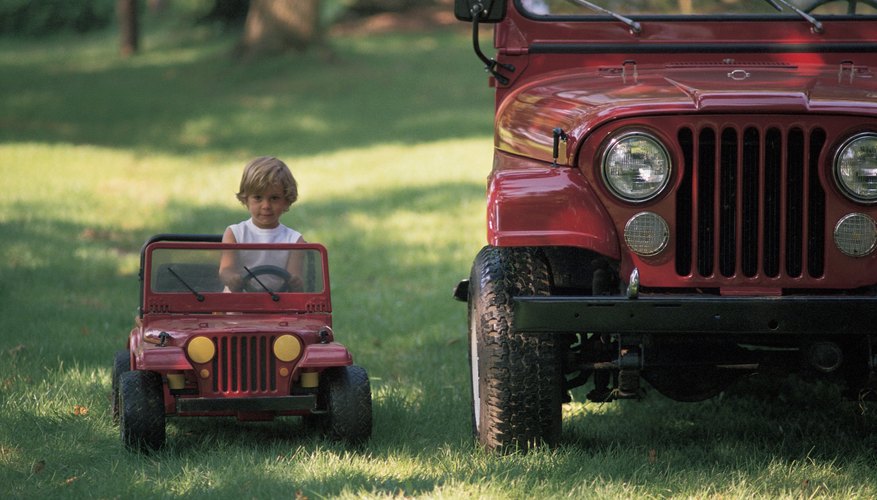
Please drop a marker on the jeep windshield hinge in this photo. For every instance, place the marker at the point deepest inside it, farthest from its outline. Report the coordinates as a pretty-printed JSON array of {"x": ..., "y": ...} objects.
[{"x": 490, "y": 65}]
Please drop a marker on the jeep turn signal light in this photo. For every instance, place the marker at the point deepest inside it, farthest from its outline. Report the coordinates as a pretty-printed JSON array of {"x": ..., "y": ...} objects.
[
  {"x": 287, "y": 348},
  {"x": 201, "y": 349},
  {"x": 856, "y": 235}
]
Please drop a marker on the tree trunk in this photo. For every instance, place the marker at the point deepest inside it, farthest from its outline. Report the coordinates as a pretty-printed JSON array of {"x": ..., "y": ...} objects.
[
  {"x": 274, "y": 26},
  {"x": 126, "y": 11}
]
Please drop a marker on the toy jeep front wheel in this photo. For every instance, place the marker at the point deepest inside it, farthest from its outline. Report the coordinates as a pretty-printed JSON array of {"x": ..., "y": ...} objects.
[
  {"x": 121, "y": 364},
  {"x": 141, "y": 411},
  {"x": 346, "y": 396},
  {"x": 516, "y": 377}
]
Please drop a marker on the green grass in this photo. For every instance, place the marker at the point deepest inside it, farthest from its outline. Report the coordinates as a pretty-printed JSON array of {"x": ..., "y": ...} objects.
[{"x": 391, "y": 144}]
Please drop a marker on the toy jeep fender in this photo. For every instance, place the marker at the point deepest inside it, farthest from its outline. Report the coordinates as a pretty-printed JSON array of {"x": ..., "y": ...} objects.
[
  {"x": 682, "y": 193},
  {"x": 262, "y": 351}
]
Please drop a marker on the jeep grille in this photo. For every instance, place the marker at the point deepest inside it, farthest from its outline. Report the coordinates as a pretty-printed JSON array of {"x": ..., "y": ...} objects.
[
  {"x": 244, "y": 364},
  {"x": 750, "y": 202}
]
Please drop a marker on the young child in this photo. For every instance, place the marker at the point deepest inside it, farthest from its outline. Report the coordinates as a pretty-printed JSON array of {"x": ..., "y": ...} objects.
[{"x": 267, "y": 190}]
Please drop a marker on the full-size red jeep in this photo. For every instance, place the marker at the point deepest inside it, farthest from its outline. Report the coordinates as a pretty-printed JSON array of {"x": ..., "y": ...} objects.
[
  {"x": 683, "y": 192},
  {"x": 263, "y": 350}
]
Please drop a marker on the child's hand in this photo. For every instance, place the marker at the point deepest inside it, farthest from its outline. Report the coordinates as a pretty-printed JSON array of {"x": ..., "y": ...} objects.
[
  {"x": 232, "y": 280},
  {"x": 295, "y": 284}
]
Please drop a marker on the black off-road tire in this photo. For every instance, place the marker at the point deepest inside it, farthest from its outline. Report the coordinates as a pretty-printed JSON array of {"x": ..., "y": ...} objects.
[
  {"x": 141, "y": 411},
  {"x": 121, "y": 364},
  {"x": 348, "y": 401},
  {"x": 517, "y": 378}
]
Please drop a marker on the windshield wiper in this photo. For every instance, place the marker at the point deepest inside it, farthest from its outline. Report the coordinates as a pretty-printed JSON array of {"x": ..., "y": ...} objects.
[
  {"x": 274, "y": 296},
  {"x": 817, "y": 26},
  {"x": 634, "y": 26},
  {"x": 197, "y": 295}
]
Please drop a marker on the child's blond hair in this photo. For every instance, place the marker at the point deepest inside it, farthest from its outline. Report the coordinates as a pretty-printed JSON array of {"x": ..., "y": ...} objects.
[{"x": 266, "y": 171}]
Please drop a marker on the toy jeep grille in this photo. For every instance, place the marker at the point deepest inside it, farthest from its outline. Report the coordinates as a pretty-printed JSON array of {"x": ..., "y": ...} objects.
[
  {"x": 750, "y": 202},
  {"x": 244, "y": 364}
]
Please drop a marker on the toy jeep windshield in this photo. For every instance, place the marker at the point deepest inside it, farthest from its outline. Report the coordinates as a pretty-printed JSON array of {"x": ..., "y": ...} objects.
[
  {"x": 682, "y": 193},
  {"x": 260, "y": 350}
]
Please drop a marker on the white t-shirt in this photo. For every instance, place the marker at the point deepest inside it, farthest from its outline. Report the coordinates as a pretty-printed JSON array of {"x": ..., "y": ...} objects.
[{"x": 247, "y": 232}]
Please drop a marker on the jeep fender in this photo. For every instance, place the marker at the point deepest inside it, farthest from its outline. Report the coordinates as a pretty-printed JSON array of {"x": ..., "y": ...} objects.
[
  {"x": 542, "y": 205},
  {"x": 324, "y": 356}
]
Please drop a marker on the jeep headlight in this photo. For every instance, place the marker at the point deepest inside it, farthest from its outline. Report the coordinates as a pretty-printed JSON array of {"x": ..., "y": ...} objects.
[
  {"x": 201, "y": 349},
  {"x": 636, "y": 166},
  {"x": 855, "y": 168},
  {"x": 287, "y": 347}
]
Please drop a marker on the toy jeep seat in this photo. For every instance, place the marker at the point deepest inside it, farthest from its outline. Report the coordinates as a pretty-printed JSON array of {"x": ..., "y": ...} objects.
[{"x": 175, "y": 277}]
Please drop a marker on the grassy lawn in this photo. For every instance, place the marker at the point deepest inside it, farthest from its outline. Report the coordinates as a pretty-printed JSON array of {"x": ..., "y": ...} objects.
[{"x": 391, "y": 143}]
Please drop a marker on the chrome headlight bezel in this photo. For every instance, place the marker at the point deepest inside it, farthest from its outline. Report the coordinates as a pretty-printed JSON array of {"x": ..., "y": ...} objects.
[
  {"x": 620, "y": 178},
  {"x": 845, "y": 175}
]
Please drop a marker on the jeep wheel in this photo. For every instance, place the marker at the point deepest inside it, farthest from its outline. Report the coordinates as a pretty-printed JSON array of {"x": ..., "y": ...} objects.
[
  {"x": 516, "y": 377},
  {"x": 121, "y": 364},
  {"x": 348, "y": 402},
  {"x": 141, "y": 411}
]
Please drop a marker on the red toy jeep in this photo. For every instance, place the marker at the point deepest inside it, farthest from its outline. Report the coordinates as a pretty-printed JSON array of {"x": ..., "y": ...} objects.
[
  {"x": 267, "y": 350},
  {"x": 682, "y": 193}
]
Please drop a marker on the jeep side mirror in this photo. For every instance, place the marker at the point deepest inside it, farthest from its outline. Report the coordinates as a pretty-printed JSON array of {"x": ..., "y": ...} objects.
[
  {"x": 479, "y": 11},
  {"x": 488, "y": 11}
]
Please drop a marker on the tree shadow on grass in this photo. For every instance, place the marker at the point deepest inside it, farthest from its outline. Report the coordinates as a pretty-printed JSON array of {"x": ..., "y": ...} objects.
[
  {"x": 387, "y": 89},
  {"x": 756, "y": 421}
]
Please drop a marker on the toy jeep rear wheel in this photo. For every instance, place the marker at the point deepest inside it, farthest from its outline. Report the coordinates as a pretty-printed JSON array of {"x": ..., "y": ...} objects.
[
  {"x": 516, "y": 377},
  {"x": 141, "y": 411},
  {"x": 346, "y": 397},
  {"x": 121, "y": 364}
]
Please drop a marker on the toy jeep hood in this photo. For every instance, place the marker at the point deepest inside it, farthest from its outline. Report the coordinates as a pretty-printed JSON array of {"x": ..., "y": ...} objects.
[{"x": 582, "y": 101}]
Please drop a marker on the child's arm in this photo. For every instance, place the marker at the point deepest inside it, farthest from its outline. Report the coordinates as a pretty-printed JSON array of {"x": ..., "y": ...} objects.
[
  {"x": 296, "y": 267},
  {"x": 228, "y": 266}
]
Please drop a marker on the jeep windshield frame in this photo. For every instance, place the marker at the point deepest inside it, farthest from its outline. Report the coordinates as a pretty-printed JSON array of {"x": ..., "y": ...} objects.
[
  {"x": 182, "y": 277},
  {"x": 571, "y": 10}
]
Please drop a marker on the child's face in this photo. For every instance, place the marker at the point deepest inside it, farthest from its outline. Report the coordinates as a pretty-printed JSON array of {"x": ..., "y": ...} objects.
[{"x": 267, "y": 207}]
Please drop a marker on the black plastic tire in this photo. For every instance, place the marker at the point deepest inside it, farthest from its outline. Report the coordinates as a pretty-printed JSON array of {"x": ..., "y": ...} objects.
[
  {"x": 141, "y": 411},
  {"x": 348, "y": 401},
  {"x": 121, "y": 364},
  {"x": 516, "y": 378}
]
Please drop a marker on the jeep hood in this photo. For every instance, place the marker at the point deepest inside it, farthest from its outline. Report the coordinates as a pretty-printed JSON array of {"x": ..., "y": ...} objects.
[{"x": 580, "y": 102}]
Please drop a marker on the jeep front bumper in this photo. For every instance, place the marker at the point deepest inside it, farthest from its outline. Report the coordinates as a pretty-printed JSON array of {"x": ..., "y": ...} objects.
[{"x": 748, "y": 316}]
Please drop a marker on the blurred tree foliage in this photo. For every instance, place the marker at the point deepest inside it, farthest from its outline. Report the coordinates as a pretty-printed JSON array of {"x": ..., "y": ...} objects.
[
  {"x": 42, "y": 17},
  {"x": 45, "y": 17},
  {"x": 233, "y": 13}
]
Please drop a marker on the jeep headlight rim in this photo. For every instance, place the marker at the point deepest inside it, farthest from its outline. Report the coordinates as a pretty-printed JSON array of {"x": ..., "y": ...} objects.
[
  {"x": 855, "y": 168},
  {"x": 636, "y": 166}
]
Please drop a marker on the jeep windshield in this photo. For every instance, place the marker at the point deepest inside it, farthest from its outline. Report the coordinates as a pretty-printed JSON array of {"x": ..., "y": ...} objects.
[
  {"x": 215, "y": 277},
  {"x": 177, "y": 270},
  {"x": 571, "y": 8}
]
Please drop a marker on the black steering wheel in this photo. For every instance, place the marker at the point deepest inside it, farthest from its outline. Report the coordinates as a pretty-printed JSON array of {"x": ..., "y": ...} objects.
[
  {"x": 251, "y": 279},
  {"x": 812, "y": 5}
]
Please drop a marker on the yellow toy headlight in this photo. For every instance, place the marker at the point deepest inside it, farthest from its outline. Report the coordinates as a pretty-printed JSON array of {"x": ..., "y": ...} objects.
[
  {"x": 201, "y": 349},
  {"x": 287, "y": 347}
]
